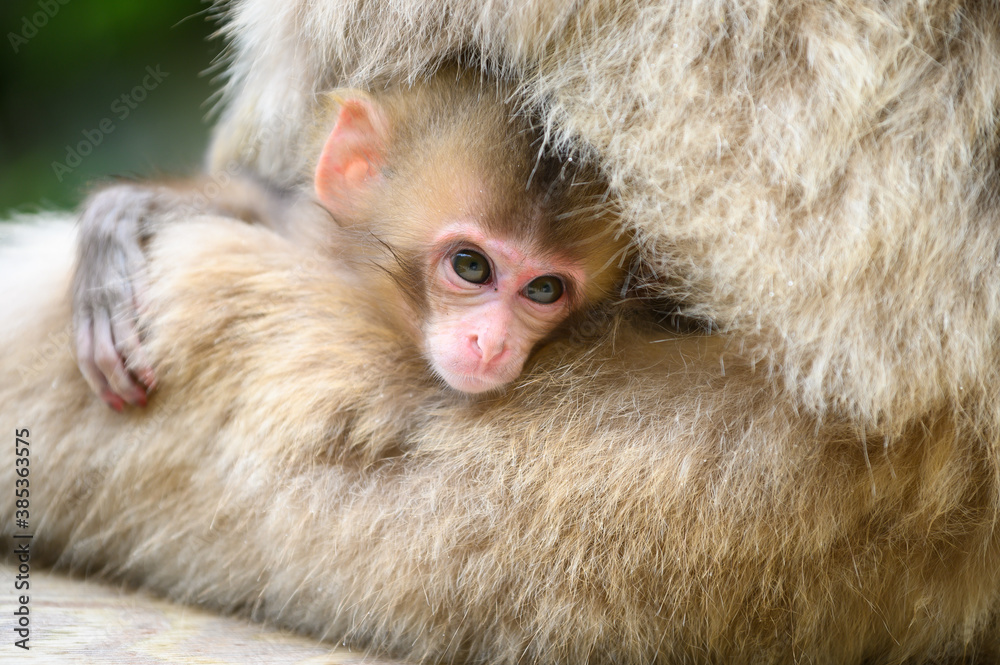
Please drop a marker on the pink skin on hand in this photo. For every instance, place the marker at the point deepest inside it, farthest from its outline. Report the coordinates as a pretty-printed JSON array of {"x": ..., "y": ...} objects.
[{"x": 479, "y": 335}]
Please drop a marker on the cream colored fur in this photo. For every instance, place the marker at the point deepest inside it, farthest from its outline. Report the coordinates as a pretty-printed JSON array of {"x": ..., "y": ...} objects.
[
  {"x": 817, "y": 482},
  {"x": 787, "y": 163}
]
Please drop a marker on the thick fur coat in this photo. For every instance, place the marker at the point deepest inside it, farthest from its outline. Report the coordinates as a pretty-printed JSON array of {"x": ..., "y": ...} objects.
[{"x": 815, "y": 481}]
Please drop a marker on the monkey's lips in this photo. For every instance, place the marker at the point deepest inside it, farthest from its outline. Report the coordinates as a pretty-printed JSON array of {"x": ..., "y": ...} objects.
[{"x": 475, "y": 383}]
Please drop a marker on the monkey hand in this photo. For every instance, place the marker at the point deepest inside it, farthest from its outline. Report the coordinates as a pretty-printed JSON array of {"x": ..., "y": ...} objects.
[{"x": 110, "y": 265}]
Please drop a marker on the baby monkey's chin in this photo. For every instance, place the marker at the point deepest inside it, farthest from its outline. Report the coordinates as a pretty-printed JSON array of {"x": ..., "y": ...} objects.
[{"x": 473, "y": 384}]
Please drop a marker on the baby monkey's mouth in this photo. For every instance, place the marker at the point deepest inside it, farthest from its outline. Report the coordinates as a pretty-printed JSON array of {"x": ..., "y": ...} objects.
[{"x": 489, "y": 379}]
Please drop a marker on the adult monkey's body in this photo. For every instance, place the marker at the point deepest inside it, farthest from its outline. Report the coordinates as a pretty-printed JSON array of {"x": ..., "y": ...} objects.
[{"x": 827, "y": 493}]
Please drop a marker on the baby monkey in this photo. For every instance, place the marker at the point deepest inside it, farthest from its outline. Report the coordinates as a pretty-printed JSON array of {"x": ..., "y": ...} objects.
[{"x": 491, "y": 244}]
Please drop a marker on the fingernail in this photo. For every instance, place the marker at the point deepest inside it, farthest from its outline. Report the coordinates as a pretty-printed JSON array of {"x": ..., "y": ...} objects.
[{"x": 113, "y": 400}]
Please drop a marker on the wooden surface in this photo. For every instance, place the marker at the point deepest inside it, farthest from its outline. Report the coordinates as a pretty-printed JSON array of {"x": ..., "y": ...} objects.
[{"x": 74, "y": 621}]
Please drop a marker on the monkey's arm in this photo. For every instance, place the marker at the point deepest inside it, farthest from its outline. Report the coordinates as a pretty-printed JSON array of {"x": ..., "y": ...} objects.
[{"x": 115, "y": 225}]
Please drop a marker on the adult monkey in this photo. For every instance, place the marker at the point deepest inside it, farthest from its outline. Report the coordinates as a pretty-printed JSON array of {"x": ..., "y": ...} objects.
[{"x": 826, "y": 492}]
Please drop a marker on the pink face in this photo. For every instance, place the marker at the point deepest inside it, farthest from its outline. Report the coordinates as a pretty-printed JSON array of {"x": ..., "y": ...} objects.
[{"x": 491, "y": 301}]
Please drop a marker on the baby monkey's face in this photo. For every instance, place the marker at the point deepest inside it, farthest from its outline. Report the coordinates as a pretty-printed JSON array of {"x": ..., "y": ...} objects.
[
  {"x": 476, "y": 220},
  {"x": 490, "y": 301}
]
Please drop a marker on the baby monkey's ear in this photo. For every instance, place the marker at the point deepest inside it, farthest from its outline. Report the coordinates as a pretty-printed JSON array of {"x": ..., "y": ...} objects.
[{"x": 355, "y": 151}]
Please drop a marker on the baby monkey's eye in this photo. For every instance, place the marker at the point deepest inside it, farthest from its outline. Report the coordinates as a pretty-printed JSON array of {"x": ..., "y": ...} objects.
[
  {"x": 545, "y": 289},
  {"x": 471, "y": 266}
]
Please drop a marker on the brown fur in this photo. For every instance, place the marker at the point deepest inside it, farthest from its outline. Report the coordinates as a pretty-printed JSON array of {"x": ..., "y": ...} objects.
[
  {"x": 815, "y": 483},
  {"x": 785, "y": 162},
  {"x": 445, "y": 151}
]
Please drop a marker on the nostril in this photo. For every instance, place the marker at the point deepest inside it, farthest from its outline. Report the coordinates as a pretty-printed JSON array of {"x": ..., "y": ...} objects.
[
  {"x": 492, "y": 351},
  {"x": 486, "y": 348}
]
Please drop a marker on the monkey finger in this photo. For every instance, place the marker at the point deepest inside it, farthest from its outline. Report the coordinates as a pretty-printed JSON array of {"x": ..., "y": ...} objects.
[
  {"x": 126, "y": 339},
  {"x": 110, "y": 362},
  {"x": 85, "y": 361},
  {"x": 123, "y": 322},
  {"x": 140, "y": 364}
]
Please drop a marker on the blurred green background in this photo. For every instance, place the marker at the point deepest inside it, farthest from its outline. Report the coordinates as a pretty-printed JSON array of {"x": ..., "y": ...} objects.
[{"x": 65, "y": 66}]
